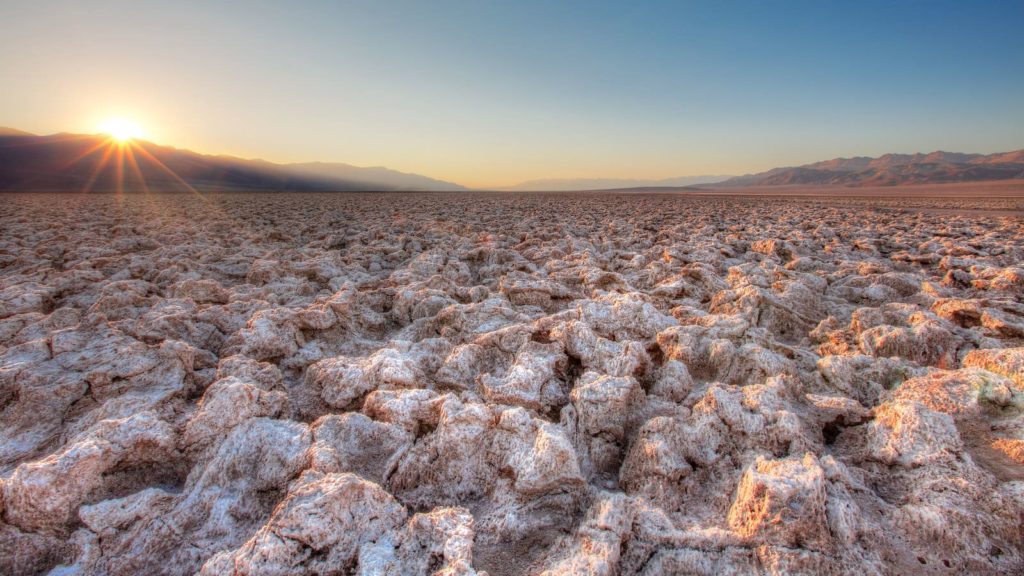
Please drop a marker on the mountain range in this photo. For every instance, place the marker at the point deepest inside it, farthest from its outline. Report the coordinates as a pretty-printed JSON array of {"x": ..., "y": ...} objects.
[
  {"x": 565, "y": 184},
  {"x": 892, "y": 170},
  {"x": 83, "y": 162}
]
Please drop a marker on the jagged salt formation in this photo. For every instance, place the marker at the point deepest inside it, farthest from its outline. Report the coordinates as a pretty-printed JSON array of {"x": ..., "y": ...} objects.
[{"x": 508, "y": 384}]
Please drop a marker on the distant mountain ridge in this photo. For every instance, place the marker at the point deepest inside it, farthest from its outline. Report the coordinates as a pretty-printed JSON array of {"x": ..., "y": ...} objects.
[
  {"x": 81, "y": 162},
  {"x": 566, "y": 184},
  {"x": 375, "y": 174},
  {"x": 5, "y": 131},
  {"x": 893, "y": 170}
]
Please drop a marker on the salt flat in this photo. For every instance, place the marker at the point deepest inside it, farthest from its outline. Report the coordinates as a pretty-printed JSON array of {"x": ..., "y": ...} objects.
[{"x": 460, "y": 383}]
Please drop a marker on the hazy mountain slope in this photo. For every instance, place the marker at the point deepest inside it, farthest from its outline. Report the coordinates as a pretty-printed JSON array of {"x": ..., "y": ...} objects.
[
  {"x": 380, "y": 175},
  {"x": 76, "y": 162},
  {"x": 561, "y": 184},
  {"x": 893, "y": 170},
  {"x": 1015, "y": 156},
  {"x": 5, "y": 131}
]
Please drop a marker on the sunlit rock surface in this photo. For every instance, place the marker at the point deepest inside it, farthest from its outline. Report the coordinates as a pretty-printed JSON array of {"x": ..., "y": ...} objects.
[{"x": 458, "y": 384}]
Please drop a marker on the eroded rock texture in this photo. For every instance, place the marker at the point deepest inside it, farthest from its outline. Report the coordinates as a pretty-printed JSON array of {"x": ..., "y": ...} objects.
[{"x": 503, "y": 384}]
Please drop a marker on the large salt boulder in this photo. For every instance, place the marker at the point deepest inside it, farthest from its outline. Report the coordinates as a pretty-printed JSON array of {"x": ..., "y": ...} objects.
[
  {"x": 354, "y": 443},
  {"x": 44, "y": 495},
  {"x": 435, "y": 542},
  {"x": 1008, "y": 362},
  {"x": 906, "y": 433},
  {"x": 221, "y": 504},
  {"x": 961, "y": 393},
  {"x": 782, "y": 502},
  {"x": 319, "y": 526},
  {"x": 224, "y": 405},
  {"x": 532, "y": 381},
  {"x": 343, "y": 380},
  {"x": 538, "y": 455},
  {"x": 203, "y": 291}
]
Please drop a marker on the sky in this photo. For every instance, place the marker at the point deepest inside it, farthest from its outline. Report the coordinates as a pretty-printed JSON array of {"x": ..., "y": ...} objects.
[{"x": 488, "y": 93}]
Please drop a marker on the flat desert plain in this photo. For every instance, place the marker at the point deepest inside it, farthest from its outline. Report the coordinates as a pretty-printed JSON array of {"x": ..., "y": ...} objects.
[{"x": 470, "y": 383}]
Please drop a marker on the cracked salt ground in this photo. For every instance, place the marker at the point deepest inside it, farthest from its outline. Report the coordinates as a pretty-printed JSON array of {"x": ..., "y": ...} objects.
[{"x": 509, "y": 384}]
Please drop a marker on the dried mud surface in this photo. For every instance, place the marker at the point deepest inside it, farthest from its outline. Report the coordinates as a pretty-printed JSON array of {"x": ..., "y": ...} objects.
[{"x": 510, "y": 384}]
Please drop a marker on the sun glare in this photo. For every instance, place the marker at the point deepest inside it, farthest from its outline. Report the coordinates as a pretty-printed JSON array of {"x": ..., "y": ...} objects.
[{"x": 121, "y": 129}]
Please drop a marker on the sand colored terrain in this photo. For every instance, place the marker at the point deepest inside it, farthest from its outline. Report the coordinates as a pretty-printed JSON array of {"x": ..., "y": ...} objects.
[{"x": 503, "y": 384}]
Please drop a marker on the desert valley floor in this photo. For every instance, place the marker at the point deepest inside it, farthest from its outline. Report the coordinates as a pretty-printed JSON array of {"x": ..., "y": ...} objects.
[{"x": 461, "y": 383}]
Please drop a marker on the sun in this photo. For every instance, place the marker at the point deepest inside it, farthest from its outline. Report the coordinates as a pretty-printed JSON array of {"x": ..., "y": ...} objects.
[{"x": 121, "y": 129}]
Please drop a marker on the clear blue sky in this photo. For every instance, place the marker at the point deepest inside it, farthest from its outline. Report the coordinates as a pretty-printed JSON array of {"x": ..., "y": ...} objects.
[{"x": 492, "y": 93}]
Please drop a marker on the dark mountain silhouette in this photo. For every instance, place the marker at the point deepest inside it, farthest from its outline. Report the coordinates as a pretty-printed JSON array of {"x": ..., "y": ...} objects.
[
  {"x": 78, "y": 162},
  {"x": 893, "y": 170}
]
